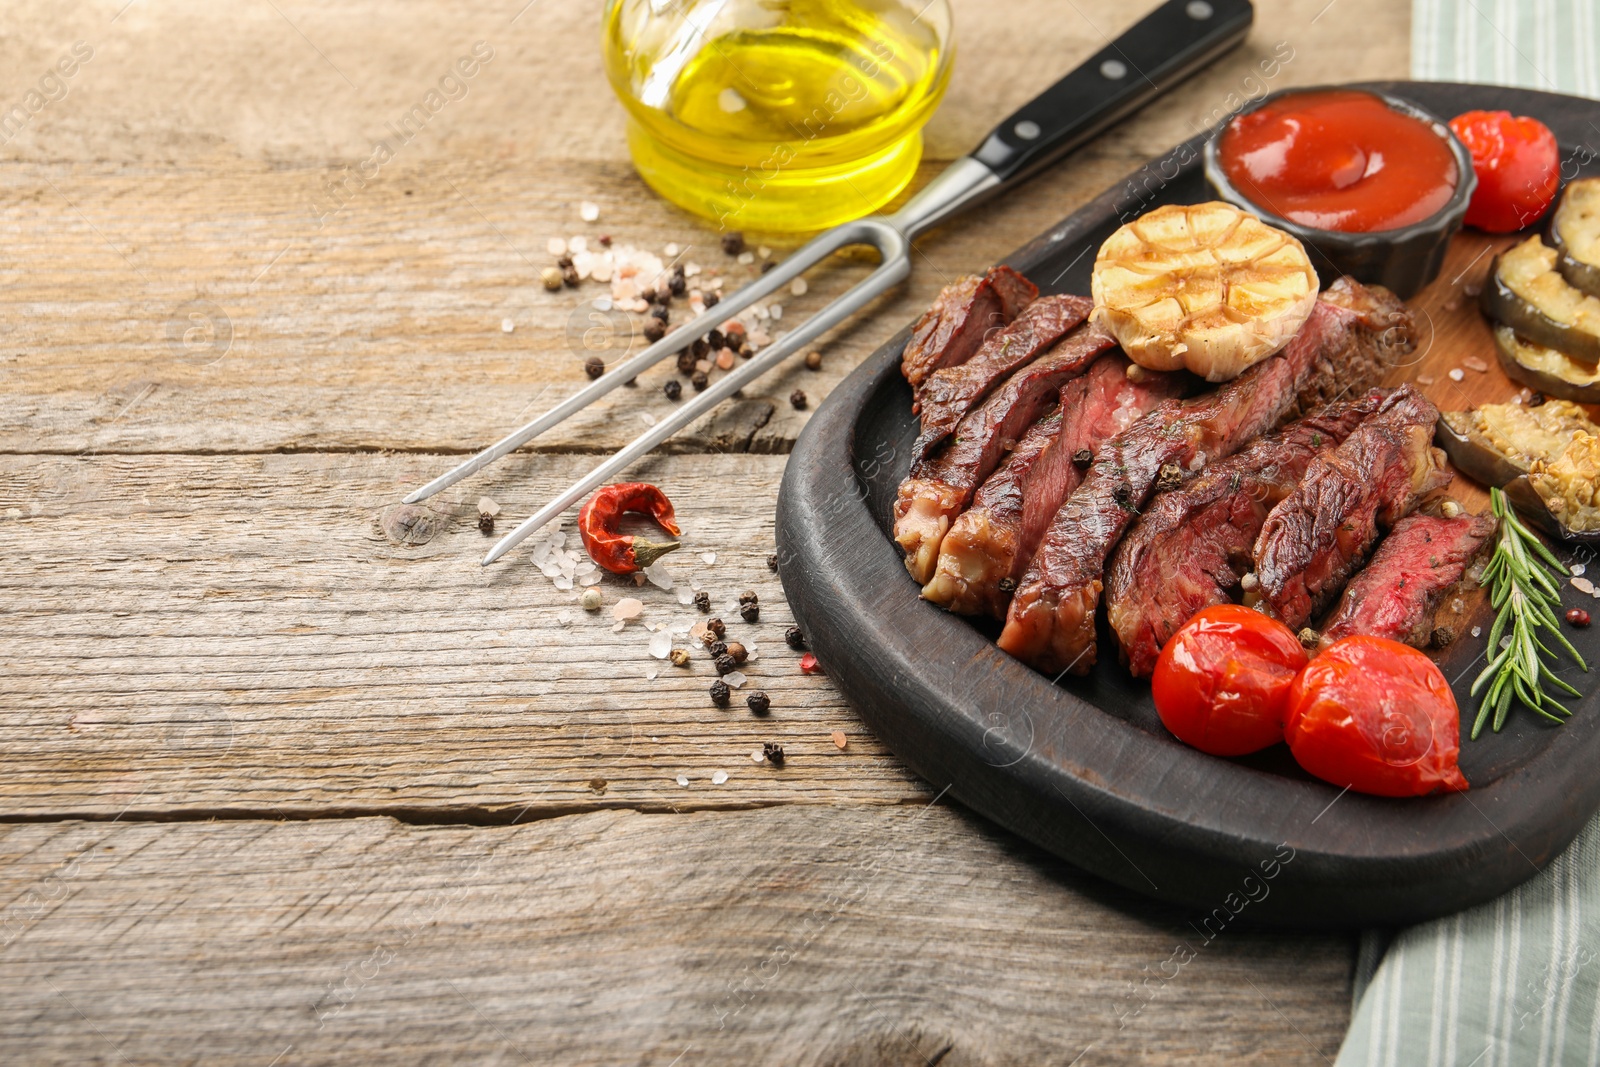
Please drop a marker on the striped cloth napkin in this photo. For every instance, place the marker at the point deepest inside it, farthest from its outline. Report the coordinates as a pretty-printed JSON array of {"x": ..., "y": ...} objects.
[{"x": 1514, "y": 982}]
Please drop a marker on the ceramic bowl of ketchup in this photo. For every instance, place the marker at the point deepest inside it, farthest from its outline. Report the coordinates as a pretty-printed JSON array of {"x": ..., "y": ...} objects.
[{"x": 1371, "y": 184}]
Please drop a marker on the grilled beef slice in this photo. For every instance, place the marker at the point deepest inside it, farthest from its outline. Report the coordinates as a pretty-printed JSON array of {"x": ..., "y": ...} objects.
[
  {"x": 950, "y": 394},
  {"x": 940, "y": 487},
  {"x": 1050, "y": 624},
  {"x": 1320, "y": 534},
  {"x": 1397, "y": 593},
  {"x": 964, "y": 312},
  {"x": 987, "y": 549},
  {"x": 1192, "y": 546}
]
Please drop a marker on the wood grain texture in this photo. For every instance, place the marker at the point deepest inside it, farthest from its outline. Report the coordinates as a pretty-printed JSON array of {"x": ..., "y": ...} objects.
[
  {"x": 259, "y": 635},
  {"x": 898, "y": 936}
]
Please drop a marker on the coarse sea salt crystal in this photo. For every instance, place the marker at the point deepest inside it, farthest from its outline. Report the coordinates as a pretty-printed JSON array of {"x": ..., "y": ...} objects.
[
  {"x": 660, "y": 644},
  {"x": 798, "y": 287},
  {"x": 719, "y": 777},
  {"x": 747, "y": 258},
  {"x": 658, "y": 574},
  {"x": 764, "y": 252},
  {"x": 650, "y": 675},
  {"x": 1579, "y": 568},
  {"x": 592, "y": 578},
  {"x": 647, "y": 418},
  {"x": 756, "y": 755},
  {"x": 682, "y": 780},
  {"x": 735, "y": 679},
  {"x": 556, "y": 247},
  {"x": 671, "y": 249},
  {"x": 564, "y": 618},
  {"x": 507, "y": 325},
  {"x": 586, "y": 565},
  {"x": 563, "y": 582},
  {"x": 685, "y": 595},
  {"x": 708, "y": 557},
  {"x": 617, "y": 627},
  {"x": 602, "y": 303},
  {"x": 1457, "y": 374},
  {"x": 578, "y": 245},
  {"x": 1477, "y": 631},
  {"x": 1583, "y": 585},
  {"x": 777, "y": 311},
  {"x": 588, "y": 211},
  {"x": 550, "y": 568}
]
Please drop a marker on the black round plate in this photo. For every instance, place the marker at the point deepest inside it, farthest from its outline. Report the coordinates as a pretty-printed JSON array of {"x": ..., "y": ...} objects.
[{"x": 1082, "y": 766}]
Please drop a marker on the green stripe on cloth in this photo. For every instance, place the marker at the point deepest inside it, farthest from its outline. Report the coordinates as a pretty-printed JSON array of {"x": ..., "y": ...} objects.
[
  {"x": 1537, "y": 44},
  {"x": 1510, "y": 983}
]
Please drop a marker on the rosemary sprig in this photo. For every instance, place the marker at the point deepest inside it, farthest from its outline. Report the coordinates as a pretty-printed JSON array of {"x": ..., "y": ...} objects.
[{"x": 1524, "y": 579}]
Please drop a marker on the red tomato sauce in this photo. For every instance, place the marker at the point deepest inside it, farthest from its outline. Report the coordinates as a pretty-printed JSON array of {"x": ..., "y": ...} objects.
[{"x": 1339, "y": 160}]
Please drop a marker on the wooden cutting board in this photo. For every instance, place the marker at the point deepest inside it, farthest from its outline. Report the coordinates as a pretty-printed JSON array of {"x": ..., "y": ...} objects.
[{"x": 1082, "y": 766}]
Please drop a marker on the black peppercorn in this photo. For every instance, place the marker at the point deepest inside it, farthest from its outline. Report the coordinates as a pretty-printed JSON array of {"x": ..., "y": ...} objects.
[
  {"x": 702, "y": 600},
  {"x": 699, "y": 347},
  {"x": 715, "y": 626},
  {"x": 750, "y": 612},
  {"x": 594, "y": 366},
  {"x": 660, "y": 311},
  {"x": 486, "y": 522},
  {"x": 648, "y": 296},
  {"x": 759, "y": 702},
  {"x": 1535, "y": 400},
  {"x": 569, "y": 277},
  {"x": 798, "y": 399},
  {"x": 1443, "y": 637},
  {"x": 795, "y": 639},
  {"x": 715, "y": 339},
  {"x": 748, "y": 597},
  {"x": 1082, "y": 458},
  {"x": 813, "y": 361},
  {"x": 654, "y": 329},
  {"x": 564, "y": 261},
  {"x": 717, "y": 648},
  {"x": 686, "y": 360},
  {"x": 673, "y": 388},
  {"x": 772, "y": 563},
  {"x": 738, "y": 652},
  {"x": 712, "y": 300},
  {"x": 768, "y": 265},
  {"x": 733, "y": 242},
  {"x": 720, "y": 693},
  {"x": 724, "y": 664},
  {"x": 699, "y": 380},
  {"x": 1170, "y": 478},
  {"x": 677, "y": 283},
  {"x": 773, "y": 753}
]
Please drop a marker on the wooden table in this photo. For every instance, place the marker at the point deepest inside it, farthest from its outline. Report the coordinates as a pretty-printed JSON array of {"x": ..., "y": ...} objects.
[{"x": 286, "y": 778}]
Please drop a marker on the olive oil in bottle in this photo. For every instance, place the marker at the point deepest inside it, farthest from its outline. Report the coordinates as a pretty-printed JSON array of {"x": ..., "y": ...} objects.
[{"x": 777, "y": 115}]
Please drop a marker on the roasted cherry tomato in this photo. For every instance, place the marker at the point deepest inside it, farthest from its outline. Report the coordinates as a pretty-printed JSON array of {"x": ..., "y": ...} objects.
[
  {"x": 1518, "y": 166},
  {"x": 1377, "y": 716},
  {"x": 1222, "y": 683}
]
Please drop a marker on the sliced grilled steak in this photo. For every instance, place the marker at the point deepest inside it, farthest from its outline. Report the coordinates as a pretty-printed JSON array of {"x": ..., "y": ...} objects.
[
  {"x": 963, "y": 313},
  {"x": 1397, "y": 593},
  {"x": 1192, "y": 547},
  {"x": 949, "y": 394},
  {"x": 1318, "y": 535},
  {"x": 1051, "y": 621},
  {"x": 940, "y": 487},
  {"x": 987, "y": 549}
]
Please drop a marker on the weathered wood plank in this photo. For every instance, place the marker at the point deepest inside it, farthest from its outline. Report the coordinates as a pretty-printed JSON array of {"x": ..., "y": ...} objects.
[
  {"x": 379, "y": 325},
  {"x": 193, "y": 634},
  {"x": 901, "y": 935}
]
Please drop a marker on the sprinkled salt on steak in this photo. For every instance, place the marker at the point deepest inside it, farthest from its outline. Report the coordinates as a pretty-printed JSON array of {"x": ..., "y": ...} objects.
[
  {"x": 941, "y": 486},
  {"x": 989, "y": 546},
  {"x": 950, "y": 394},
  {"x": 1397, "y": 593},
  {"x": 1320, "y": 534},
  {"x": 1192, "y": 546},
  {"x": 1051, "y": 622},
  {"x": 964, "y": 312}
]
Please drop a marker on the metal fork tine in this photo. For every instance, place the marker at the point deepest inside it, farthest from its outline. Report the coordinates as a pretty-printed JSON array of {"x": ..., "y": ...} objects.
[
  {"x": 807, "y": 256},
  {"x": 896, "y": 266}
]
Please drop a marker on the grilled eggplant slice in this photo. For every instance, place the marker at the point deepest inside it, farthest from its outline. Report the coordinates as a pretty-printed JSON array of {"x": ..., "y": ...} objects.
[
  {"x": 1553, "y": 373},
  {"x": 1527, "y": 293},
  {"x": 1576, "y": 233},
  {"x": 1546, "y": 458}
]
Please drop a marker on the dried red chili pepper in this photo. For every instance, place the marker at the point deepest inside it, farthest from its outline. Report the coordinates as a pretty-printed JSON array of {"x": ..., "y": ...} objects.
[{"x": 622, "y": 553}]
